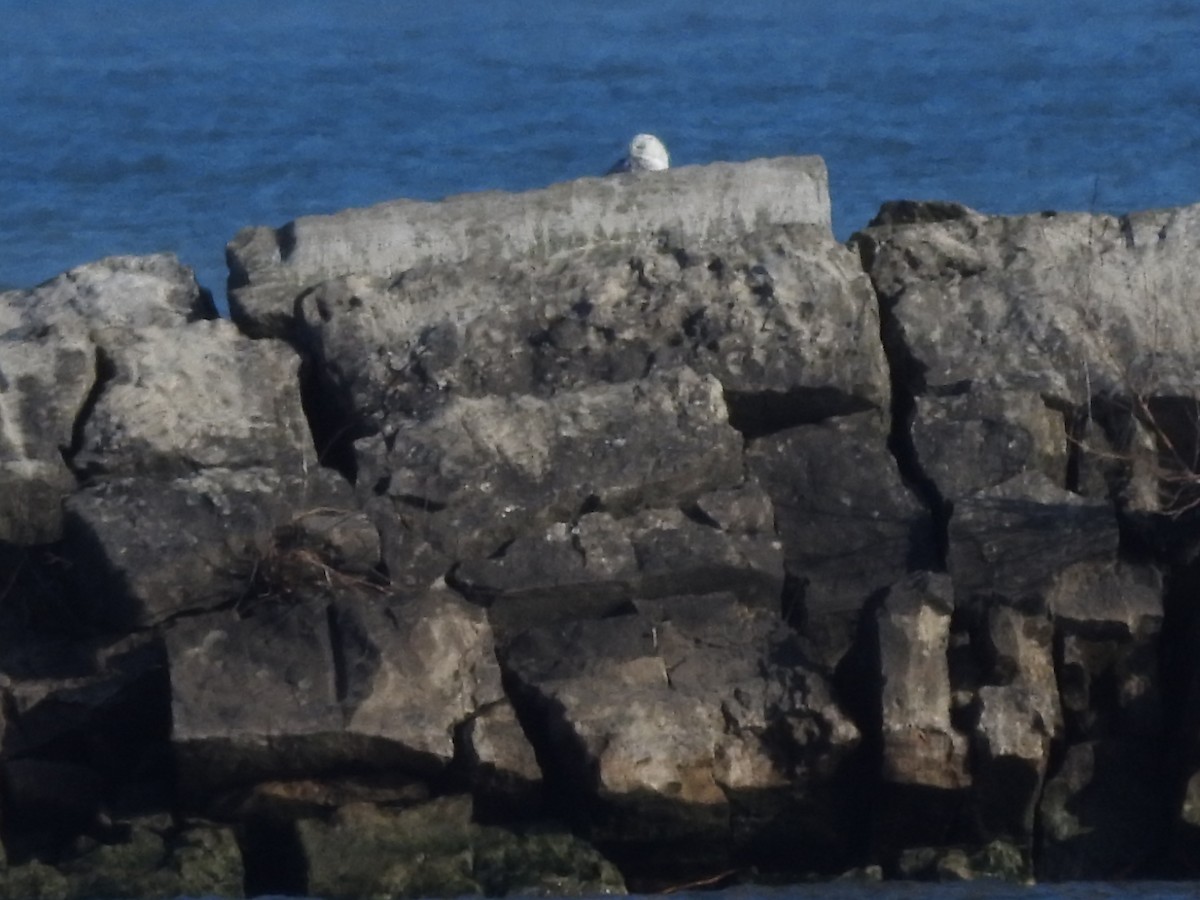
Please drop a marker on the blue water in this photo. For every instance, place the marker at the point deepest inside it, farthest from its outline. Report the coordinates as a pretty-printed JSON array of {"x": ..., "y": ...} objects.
[{"x": 147, "y": 125}]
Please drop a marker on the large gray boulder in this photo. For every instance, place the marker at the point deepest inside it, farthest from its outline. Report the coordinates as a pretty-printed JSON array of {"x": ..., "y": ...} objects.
[
  {"x": 967, "y": 443},
  {"x": 1067, "y": 305},
  {"x": 53, "y": 344},
  {"x": 693, "y": 726},
  {"x": 194, "y": 448},
  {"x": 1092, "y": 313},
  {"x": 269, "y": 268},
  {"x": 135, "y": 565},
  {"x": 781, "y": 315},
  {"x": 320, "y": 679},
  {"x": 180, "y": 399},
  {"x": 485, "y": 470}
]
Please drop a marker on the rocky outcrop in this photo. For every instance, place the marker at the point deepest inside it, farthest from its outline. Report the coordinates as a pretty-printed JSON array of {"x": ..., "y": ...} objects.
[
  {"x": 691, "y": 729},
  {"x": 269, "y": 267},
  {"x": 628, "y": 532}
]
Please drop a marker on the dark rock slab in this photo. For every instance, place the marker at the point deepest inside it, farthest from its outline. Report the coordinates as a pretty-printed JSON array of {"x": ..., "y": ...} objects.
[
  {"x": 136, "y": 565},
  {"x": 485, "y": 470},
  {"x": 1011, "y": 538},
  {"x": 1109, "y": 621},
  {"x": 971, "y": 442},
  {"x": 74, "y": 692},
  {"x": 694, "y": 727},
  {"x": 598, "y": 565},
  {"x": 848, "y": 525},
  {"x": 304, "y": 684}
]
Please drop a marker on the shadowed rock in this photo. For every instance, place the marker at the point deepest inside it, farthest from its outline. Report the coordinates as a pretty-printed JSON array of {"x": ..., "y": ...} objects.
[
  {"x": 694, "y": 726},
  {"x": 304, "y": 685}
]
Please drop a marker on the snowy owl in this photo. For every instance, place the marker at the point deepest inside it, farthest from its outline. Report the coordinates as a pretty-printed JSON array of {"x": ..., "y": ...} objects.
[{"x": 646, "y": 154}]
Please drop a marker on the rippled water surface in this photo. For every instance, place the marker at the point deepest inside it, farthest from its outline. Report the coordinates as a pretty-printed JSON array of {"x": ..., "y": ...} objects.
[{"x": 156, "y": 125}]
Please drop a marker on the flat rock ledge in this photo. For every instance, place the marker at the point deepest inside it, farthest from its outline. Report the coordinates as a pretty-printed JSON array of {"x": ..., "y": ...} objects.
[{"x": 624, "y": 535}]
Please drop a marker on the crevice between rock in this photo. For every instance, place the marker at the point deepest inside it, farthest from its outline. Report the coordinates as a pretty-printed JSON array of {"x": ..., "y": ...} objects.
[
  {"x": 105, "y": 371},
  {"x": 332, "y": 425},
  {"x": 907, "y": 378},
  {"x": 759, "y": 413}
]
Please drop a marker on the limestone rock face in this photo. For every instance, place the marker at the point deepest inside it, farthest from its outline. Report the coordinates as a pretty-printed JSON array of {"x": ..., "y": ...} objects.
[
  {"x": 269, "y": 268},
  {"x": 919, "y": 745},
  {"x": 53, "y": 340},
  {"x": 302, "y": 685},
  {"x": 599, "y": 565},
  {"x": 694, "y": 725},
  {"x": 485, "y": 471},
  {"x": 637, "y": 506},
  {"x": 1089, "y": 312},
  {"x": 848, "y": 524},
  {"x": 969, "y": 443},
  {"x": 136, "y": 568},
  {"x": 1066, "y": 305},
  {"x": 782, "y": 317},
  {"x": 172, "y": 421},
  {"x": 1019, "y": 722},
  {"x": 177, "y": 401}
]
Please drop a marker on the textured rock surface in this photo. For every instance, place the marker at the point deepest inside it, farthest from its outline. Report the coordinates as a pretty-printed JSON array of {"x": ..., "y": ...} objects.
[
  {"x": 651, "y": 512},
  {"x": 674, "y": 726},
  {"x": 913, "y": 630},
  {"x": 848, "y": 525},
  {"x": 177, "y": 400},
  {"x": 484, "y": 471},
  {"x": 344, "y": 677},
  {"x": 53, "y": 340},
  {"x": 1064, "y": 305},
  {"x": 782, "y": 317},
  {"x": 1011, "y": 538},
  {"x": 269, "y": 268}
]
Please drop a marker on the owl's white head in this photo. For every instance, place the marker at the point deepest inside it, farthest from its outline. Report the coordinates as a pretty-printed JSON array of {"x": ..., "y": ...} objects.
[{"x": 647, "y": 154}]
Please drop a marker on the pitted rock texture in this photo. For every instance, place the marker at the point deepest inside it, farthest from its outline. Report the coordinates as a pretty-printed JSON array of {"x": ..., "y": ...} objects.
[
  {"x": 306, "y": 684},
  {"x": 638, "y": 507},
  {"x": 54, "y": 339},
  {"x": 269, "y": 268}
]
